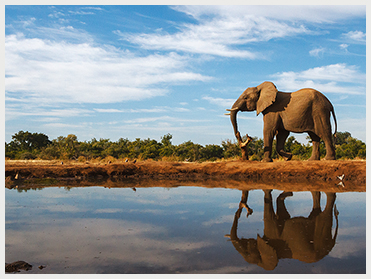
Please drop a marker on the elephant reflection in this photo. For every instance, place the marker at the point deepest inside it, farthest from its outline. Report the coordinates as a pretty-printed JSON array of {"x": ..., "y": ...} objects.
[{"x": 307, "y": 239}]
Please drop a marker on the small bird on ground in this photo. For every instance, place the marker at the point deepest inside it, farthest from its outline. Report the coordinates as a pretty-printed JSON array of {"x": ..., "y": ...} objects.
[
  {"x": 134, "y": 161},
  {"x": 341, "y": 177},
  {"x": 341, "y": 184}
]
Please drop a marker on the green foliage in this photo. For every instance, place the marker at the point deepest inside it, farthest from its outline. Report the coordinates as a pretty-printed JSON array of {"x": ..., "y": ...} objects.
[
  {"x": 349, "y": 147},
  {"x": 26, "y": 145}
]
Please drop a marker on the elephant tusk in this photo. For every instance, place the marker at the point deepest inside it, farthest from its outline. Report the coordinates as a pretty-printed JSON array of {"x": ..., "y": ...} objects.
[
  {"x": 243, "y": 144},
  {"x": 232, "y": 109},
  {"x": 227, "y": 113}
]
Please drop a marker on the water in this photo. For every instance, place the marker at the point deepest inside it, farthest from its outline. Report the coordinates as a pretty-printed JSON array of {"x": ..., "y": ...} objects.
[{"x": 182, "y": 230}]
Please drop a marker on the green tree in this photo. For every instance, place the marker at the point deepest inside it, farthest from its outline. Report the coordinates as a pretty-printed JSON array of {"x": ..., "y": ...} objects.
[
  {"x": 26, "y": 145},
  {"x": 341, "y": 137},
  {"x": 211, "y": 152},
  {"x": 67, "y": 147},
  {"x": 230, "y": 149},
  {"x": 167, "y": 149},
  {"x": 256, "y": 149},
  {"x": 188, "y": 151},
  {"x": 350, "y": 148}
]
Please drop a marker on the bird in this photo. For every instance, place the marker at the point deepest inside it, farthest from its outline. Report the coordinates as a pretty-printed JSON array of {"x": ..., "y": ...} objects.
[
  {"x": 127, "y": 160},
  {"x": 341, "y": 177},
  {"x": 134, "y": 161}
]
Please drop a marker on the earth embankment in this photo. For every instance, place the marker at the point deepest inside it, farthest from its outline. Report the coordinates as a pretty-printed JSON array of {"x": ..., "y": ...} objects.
[{"x": 324, "y": 173}]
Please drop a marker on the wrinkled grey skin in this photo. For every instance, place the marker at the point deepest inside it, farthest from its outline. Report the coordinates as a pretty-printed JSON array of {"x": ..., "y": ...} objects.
[{"x": 305, "y": 110}]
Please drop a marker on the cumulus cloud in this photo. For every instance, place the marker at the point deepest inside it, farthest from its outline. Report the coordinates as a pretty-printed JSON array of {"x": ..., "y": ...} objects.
[
  {"x": 48, "y": 71},
  {"x": 355, "y": 36},
  {"x": 330, "y": 79}
]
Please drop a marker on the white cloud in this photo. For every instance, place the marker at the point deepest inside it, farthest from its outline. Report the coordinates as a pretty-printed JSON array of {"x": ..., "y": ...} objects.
[
  {"x": 13, "y": 111},
  {"x": 357, "y": 36},
  {"x": 330, "y": 79},
  {"x": 308, "y": 13},
  {"x": 108, "y": 110},
  {"x": 218, "y": 35},
  {"x": 168, "y": 119},
  {"x": 44, "y": 71},
  {"x": 222, "y": 102},
  {"x": 344, "y": 46},
  {"x": 317, "y": 52}
]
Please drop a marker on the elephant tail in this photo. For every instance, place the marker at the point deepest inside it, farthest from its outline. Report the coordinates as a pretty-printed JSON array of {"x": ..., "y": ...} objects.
[
  {"x": 336, "y": 213},
  {"x": 336, "y": 125}
]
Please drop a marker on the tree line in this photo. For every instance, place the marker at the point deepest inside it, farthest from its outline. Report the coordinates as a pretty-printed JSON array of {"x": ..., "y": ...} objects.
[{"x": 27, "y": 145}]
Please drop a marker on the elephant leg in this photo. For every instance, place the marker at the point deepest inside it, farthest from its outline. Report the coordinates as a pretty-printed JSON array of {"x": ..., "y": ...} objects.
[
  {"x": 323, "y": 241},
  {"x": 331, "y": 197},
  {"x": 243, "y": 203},
  {"x": 315, "y": 149},
  {"x": 316, "y": 195},
  {"x": 323, "y": 130},
  {"x": 282, "y": 213},
  {"x": 281, "y": 138},
  {"x": 268, "y": 140},
  {"x": 271, "y": 227},
  {"x": 330, "y": 149}
]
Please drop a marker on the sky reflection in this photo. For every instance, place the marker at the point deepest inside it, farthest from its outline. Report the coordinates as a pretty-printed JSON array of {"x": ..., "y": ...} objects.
[{"x": 162, "y": 230}]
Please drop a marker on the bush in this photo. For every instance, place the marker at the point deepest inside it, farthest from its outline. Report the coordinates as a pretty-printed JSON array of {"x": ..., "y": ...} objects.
[
  {"x": 27, "y": 156},
  {"x": 26, "y": 145}
]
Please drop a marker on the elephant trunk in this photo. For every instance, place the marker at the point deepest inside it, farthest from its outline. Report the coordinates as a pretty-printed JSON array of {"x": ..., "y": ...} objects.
[{"x": 233, "y": 115}]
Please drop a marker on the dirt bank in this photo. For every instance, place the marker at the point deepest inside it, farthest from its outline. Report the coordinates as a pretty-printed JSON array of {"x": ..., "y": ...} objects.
[{"x": 276, "y": 173}]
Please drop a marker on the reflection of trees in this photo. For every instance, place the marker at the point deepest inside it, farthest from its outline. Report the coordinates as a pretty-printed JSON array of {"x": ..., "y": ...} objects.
[{"x": 307, "y": 239}]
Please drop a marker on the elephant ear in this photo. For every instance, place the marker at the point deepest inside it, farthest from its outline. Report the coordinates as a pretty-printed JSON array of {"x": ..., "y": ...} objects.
[
  {"x": 268, "y": 93},
  {"x": 268, "y": 255}
]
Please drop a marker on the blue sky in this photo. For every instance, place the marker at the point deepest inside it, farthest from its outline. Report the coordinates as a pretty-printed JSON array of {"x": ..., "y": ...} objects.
[{"x": 145, "y": 71}]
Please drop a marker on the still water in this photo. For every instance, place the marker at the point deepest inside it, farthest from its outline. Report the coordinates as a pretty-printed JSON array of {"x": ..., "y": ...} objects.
[{"x": 185, "y": 230}]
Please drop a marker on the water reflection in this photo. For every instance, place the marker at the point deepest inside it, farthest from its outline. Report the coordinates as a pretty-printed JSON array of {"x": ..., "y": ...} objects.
[
  {"x": 181, "y": 230},
  {"x": 307, "y": 239}
]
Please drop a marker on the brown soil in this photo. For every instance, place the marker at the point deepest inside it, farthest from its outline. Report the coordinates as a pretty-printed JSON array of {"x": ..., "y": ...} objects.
[{"x": 300, "y": 175}]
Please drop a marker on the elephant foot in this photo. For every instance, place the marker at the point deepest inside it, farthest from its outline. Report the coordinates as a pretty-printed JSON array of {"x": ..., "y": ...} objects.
[
  {"x": 267, "y": 195},
  {"x": 249, "y": 210},
  {"x": 330, "y": 158},
  {"x": 285, "y": 194},
  {"x": 314, "y": 158},
  {"x": 289, "y": 157}
]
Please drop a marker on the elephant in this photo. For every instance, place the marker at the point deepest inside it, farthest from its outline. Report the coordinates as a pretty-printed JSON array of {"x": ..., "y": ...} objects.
[
  {"x": 306, "y": 110},
  {"x": 307, "y": 239}
]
